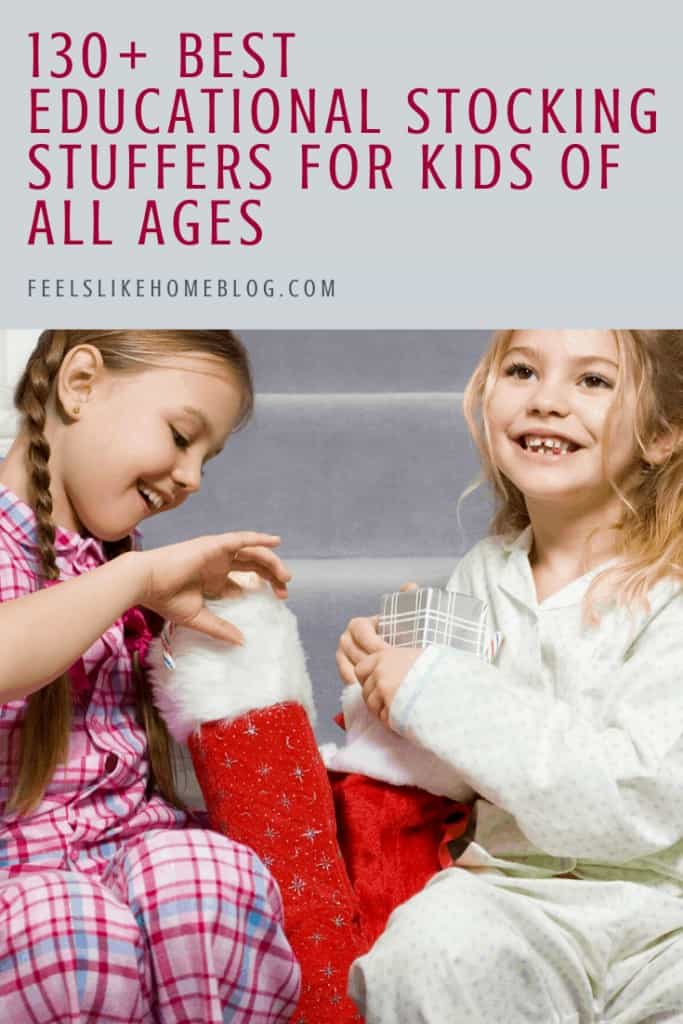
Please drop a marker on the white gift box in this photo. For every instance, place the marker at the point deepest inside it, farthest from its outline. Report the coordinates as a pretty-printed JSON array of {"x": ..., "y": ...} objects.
[{"x": 430, "y": 615}]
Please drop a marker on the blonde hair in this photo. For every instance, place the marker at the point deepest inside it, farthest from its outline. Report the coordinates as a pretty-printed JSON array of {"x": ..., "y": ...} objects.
[
  {"x": 648, "y": 535},
  {"x": 46, "y": 725}
]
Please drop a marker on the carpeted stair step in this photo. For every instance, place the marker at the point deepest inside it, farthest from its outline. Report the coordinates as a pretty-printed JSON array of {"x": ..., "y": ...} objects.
[{"x": 343, "y": 475}]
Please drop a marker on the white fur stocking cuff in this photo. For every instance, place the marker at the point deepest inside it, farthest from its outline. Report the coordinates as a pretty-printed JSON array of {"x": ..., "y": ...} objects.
[
  {"x": 215, "y": 680},
  {"x": 374, "y": 750}
]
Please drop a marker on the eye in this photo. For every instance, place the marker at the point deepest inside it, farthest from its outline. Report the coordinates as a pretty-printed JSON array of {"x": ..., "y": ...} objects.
[
  {"x": 519, "y": 370},
  {"x": 179, "y": 439},
  {"x": 592, "y": 381}
]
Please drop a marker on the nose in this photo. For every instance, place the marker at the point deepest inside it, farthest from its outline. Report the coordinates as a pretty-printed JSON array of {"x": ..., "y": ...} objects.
[
  {"x": 187, "y": 476},
  {"x": 549, "y": 397}
]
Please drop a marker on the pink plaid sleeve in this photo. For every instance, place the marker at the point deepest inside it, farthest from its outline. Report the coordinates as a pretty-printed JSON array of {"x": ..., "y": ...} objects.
[{"x": 15, "y": 579}]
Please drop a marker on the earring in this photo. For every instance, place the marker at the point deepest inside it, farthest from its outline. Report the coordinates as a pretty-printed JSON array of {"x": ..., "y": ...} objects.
[{"x": 76, "y": 410}]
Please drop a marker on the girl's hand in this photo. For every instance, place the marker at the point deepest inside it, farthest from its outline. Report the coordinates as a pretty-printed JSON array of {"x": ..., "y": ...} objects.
[
  {"x": 381, "y": 674},
  {"x": 178, "y": 578},
  {"x": 358, "y": 640}
]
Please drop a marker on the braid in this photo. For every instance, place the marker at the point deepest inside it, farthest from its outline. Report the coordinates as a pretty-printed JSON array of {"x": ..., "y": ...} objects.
[
  {"x": 161, "y": 760},
  {"x": 46, "y": 724},
  {"x": 31, "y": 396}
]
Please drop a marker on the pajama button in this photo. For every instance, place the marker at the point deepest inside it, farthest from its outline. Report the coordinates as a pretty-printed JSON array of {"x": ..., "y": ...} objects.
[{"x": 111, "y": 762}]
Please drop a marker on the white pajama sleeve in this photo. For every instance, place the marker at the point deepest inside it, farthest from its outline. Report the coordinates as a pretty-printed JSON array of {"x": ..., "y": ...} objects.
[{"x": 608, "y": 789}]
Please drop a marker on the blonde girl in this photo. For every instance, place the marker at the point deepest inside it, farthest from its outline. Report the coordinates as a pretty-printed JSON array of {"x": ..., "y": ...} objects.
[
  {"x": 114, "y": 905},
  {"x": 567, "y": 903}
]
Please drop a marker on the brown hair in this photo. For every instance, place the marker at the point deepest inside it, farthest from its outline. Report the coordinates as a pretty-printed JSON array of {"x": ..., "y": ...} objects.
[
  {"x": 649, "y": 539},
  {"x": 45, "y": 728}
]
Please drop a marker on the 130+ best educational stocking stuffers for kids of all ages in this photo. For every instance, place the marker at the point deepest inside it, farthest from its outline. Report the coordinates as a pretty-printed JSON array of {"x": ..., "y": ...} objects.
[{"x": 246, "y": 713}]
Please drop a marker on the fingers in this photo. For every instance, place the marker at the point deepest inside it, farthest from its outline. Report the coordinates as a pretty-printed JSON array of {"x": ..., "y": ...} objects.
[
  {"x": 350, "y": 649},
  {"x": 232, "y": 589},
  {"x": 364, "y": 668},
  {"x": 372, "y": 696},
  {"x": 345, "y": 669},
  {"x": 405, "y": 587},
  {"x": 279, "y": 587},
  {"x": 267, "y": 565},
  {"x": 363, "y": 633},
  {"x": 209, "y": 624},
  {"x": 241, "y": 584},
  {"x": 247, "y": 538},
  {"x": 258, "y": 561},
  {"x": 250, "y": 557},
  {"x": 358, "y": 640}
]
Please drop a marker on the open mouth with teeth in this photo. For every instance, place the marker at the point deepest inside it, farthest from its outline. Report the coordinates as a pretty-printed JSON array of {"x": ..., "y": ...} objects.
[
  {"x": 547, "y": 447},
  {"x": 153, "y": 500}
]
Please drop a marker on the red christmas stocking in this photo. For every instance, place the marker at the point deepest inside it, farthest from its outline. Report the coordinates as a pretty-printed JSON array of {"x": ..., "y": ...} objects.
[
  {"x": 393, "y": 840},
  {"x": 242, "y": 712},
  {"x": 266, "y": 786}
]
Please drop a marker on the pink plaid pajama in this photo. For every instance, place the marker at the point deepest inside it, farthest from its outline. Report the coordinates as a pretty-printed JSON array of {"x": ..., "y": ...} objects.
[
  {"x": 180, "y": 925},
  {"x": 113, "y": 908}
]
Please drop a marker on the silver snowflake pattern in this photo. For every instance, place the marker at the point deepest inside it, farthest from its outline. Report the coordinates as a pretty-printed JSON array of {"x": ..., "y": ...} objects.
[
  {"x": 298, "y": 884},
  {"x": 263, "y": 770},
  {"x": 338, "y": 921},
  {"x": 268, "y": 861},
  {"x": 228, "y": 761},
  {"x": 269, "y": 832},
  {"x": 335, "y": 999},
  {"x": 311, "y": 833},
  {"x": 327, "y": 971},
  {"x": 251, "y": 730},
  {"x": 285, "y": 801},
  {"x": 298, "y": 773},
  {"x": 316, "y": 938},
  {"x": 325, "y": 864}
]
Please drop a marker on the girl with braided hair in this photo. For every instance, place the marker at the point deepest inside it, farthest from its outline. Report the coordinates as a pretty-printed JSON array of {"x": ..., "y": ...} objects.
[{"x": 114, "y": 905}]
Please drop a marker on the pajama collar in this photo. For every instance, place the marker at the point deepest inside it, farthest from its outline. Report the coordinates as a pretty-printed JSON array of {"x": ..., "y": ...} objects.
[
  {"x": 518, "y": 583},
  {"x": 19, "y": 520}
]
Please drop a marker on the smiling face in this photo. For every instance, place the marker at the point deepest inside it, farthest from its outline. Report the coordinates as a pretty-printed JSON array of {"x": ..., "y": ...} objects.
[
  {"x": 547, "y": 419},
  {"x": 140, "y": 440}
]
